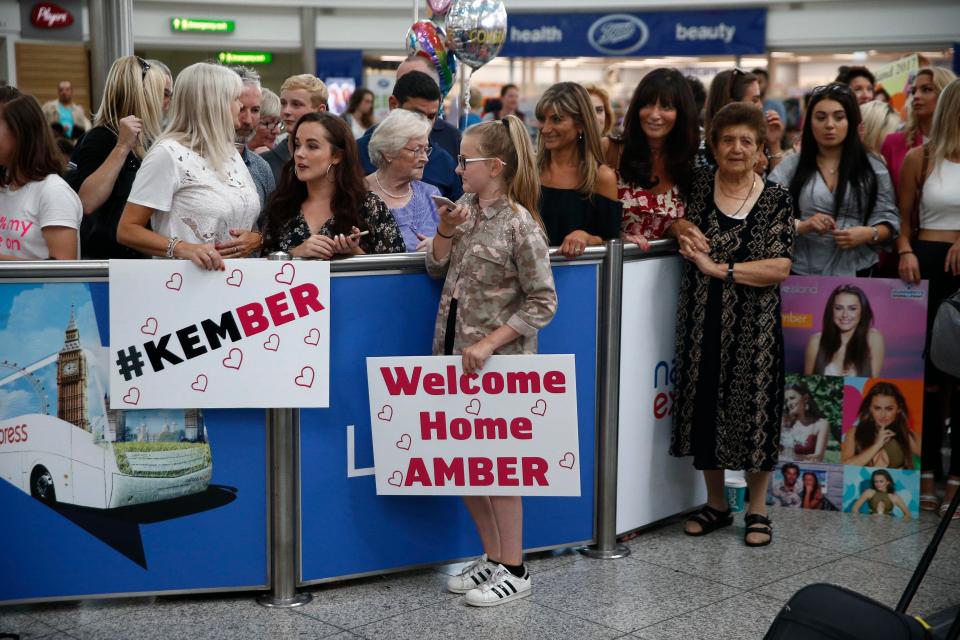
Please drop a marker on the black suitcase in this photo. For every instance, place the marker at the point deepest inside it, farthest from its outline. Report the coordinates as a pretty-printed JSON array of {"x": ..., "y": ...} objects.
[{"x": 829, "y": 612}]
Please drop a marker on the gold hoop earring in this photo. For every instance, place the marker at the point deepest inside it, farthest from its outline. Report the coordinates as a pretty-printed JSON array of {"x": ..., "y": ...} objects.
[{"x": 327, "y": 173}]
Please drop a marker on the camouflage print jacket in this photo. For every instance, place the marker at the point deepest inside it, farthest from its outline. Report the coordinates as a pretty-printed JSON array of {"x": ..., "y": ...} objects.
[{"x": 499, "y": 271}]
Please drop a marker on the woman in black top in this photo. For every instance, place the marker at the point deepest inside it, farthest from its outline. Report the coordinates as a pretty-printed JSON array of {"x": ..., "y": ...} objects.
[
  {"x": 322, "y": 204},
  {"x": 578, "y": 193},
  {"x": 106, "y": 160}
]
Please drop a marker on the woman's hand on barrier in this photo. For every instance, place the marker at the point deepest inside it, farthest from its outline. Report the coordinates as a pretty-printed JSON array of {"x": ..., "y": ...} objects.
[
  {"x": 450, "y": 219},
  {"x": 636, "y": 239},
  {"x": 817, "y": 223},
  {"x": 349, "y": 245},
  {"x": 574, "y": 244},
  {"x": 689, "y": 235},
  {"x": 909, "y": 268},
  {"x": 852, "y": 237},
  {"x": 204, "y": 256},
  {"x": 704, "y": 262},
  {"x": 952, "y": 264},
  {"x": 316, "y": 246},
  {"x": 476, "y": 355},
  {"x": 244, "y": 243}
]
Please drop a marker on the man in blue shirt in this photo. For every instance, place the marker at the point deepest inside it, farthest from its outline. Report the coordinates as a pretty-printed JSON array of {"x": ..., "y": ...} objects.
[
  {"x": 418, "y": 92},
  {"x": 248, "y": 119}
]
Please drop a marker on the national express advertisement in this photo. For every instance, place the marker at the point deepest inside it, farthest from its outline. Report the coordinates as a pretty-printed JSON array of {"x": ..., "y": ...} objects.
[{"x": 114, "y": 500}]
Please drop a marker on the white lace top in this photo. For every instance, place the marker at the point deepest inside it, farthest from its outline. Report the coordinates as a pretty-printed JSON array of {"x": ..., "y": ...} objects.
[{"x": 192, "y": 201}]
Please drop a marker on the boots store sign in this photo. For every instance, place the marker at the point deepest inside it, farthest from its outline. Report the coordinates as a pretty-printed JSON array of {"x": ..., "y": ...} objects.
[
  {"x": 694, "y": 33},
  {"x": 61, "y": 20}
]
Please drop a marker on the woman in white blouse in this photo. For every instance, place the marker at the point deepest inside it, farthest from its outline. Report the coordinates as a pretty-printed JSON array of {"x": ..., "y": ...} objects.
[{"x": 193, "y": 187}]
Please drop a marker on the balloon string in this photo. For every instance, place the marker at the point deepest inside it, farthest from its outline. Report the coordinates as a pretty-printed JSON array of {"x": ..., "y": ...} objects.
[{"x": 465, "y": 73}]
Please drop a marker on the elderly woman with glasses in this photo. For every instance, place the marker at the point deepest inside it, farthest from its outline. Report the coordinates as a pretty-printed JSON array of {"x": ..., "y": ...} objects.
[
  {"x": 843, "y": 197},
  {"x": 399, "y": 149},
  {"x": 265, "y": 137}
]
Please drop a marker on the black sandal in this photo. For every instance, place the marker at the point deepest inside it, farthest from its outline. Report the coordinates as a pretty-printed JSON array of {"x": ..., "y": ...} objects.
[
  {"x": 710, "y": 520},
  {"x": 757, "y": 523}
]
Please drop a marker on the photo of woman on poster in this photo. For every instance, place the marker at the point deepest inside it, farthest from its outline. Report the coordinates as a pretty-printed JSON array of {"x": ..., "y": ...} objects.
[
  {"x": 811, "y": 496},
  {"x": 805, "y": 429},
  {"x": 882, "y": 436},
  {"x": 882, "y": 497},
  {"x": 848, "y": 345}
]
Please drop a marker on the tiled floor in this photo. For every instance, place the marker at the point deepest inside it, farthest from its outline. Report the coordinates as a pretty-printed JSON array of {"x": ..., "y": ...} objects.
[{"x": 671, "y": 586}]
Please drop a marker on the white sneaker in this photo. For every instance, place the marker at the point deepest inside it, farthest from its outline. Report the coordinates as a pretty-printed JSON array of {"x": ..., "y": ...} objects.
[
  {"x": 472, "y": 576},
  {"x": 502, "y": 587}
]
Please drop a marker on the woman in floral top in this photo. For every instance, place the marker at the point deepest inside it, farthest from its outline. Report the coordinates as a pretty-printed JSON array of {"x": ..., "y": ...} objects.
[
  {"x": 497, "y": 294},
  {"x": 322, "y": 206},
  {"x": 654, "y": 157}
]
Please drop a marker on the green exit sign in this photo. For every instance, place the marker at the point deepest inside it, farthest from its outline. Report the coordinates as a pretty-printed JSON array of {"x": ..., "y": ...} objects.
[
  {"x": 202, "y": 25},
  {"x": 245, "y": 57}
]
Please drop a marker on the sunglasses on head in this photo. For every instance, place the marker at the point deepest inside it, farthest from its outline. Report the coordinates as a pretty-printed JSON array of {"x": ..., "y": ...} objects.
[
  {"x": 144, "y": 67},
  {"x": 833, "y": 87}
]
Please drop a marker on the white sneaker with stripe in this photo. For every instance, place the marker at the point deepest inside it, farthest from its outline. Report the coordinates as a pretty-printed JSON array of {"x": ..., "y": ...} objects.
[
  {"x": 472, "y": 576},
  {"x": 502, "y": 587}
]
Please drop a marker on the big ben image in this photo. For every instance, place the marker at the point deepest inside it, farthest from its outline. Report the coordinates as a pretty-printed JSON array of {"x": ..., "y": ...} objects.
[{"x": 72, "y": 379}]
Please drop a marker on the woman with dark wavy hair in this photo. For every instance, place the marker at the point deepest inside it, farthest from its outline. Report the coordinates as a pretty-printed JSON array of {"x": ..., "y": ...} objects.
[
  {"x": 882, "y": 496},
  {"x": 882, "y": 436},
  {"x": 811, "y": 496},
  {"x": 654, "y": 156},
  {"x": 805, "y": 429},
  {"x": 847, "y": 345},
  {"x": 322, "y": 206},
  {"x": 843, "y": 199}
]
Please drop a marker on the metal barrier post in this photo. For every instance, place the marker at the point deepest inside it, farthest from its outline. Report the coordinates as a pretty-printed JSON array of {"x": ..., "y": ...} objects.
[
  {"x": 610, "y": 305},
  {"x": 284, "y": 427}
]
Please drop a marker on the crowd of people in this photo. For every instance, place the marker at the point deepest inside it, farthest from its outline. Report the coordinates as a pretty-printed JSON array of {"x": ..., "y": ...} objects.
[{"x": 237, "y": 171}]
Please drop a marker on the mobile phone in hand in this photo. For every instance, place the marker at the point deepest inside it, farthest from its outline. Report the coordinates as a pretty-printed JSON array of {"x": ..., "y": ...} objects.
[{"x": 439, "y": 200}]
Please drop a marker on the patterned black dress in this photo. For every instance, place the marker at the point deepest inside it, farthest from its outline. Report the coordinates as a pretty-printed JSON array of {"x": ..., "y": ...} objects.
[
  {"x": 384, "y": 236},
  {"x": 729, "y": 362}
]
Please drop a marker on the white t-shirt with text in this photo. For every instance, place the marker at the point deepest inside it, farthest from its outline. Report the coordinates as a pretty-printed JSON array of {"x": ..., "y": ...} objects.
[
  {"x": 26, "y": 211},
  {"x": 190, "y": 199}
]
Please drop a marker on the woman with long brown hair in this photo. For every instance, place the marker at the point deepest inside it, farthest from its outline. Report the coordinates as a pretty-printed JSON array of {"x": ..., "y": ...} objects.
[
  {"x": 882, "y": 436},
  {"x": 41, "y": 212},
  {"x": 847, "y": 345},
  {"x": 322, "y": 206}
]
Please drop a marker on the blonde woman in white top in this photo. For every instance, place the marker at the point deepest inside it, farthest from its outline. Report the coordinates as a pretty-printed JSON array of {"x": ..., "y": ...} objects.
[
  {"x": 193, "y": 187},
  {"x": 935, "y": 256}
]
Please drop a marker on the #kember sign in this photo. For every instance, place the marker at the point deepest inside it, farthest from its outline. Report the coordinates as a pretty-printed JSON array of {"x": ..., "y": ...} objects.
[
  {"x": 254, "y": 335},
  {"x": 509, "y": 429}
]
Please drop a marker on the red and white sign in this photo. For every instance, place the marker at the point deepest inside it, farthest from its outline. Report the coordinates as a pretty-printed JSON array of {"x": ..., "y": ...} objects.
[
  {"x": 47, "y": 15},
  {"x": 254, "y": 335},
  {"x": 509, "y": 430}
]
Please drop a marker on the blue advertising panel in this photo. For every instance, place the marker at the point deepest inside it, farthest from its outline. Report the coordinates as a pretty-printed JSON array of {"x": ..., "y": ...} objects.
[
  {"x": 346, "y": 528},
  {"x": 98, "y": 501},
  {"x": 653, "y": 33}
]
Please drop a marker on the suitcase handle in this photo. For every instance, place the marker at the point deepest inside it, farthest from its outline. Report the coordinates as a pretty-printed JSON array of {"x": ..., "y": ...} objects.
[{"x": 925, "y": 561}]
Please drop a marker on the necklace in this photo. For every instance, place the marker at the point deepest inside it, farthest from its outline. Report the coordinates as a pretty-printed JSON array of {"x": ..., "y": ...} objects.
[
  {"x": 736, "y": 214},
  {"x": 376, "y": 176},
  {"x": 830, "y": 172}
]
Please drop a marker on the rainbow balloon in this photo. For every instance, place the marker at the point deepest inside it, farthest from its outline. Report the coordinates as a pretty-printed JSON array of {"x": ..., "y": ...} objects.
[{"x": 428, "y": 40}]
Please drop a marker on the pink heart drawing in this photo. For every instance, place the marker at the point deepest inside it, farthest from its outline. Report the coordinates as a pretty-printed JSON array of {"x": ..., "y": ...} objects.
[
  {"x": 133, "y": 396},
  {"x": 272, "y": 343},
  {"x": 305, "y": 379},
  {"x": 234, "y": 359},
  {"x": 236, "y": 278},
  {"x": 404, "y": 442},
  {"x": 200, "y": 384},
  {"x": 568, "y": 460},
  {"x": 149, "y": 327},
  {"x": 312, "y": 338},
  {"x": 175, "y": 282},
  {"x": 386, "y": 414},
  {"x": 539, "y": 408},
  {"x": 473, "y": 407},
  {"x": 396, "y": 479},
  {"x": 286, "y": 274}
]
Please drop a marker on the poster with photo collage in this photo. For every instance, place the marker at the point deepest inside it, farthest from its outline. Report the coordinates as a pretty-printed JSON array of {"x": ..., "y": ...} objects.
[{"x": 853, "y": 400}]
